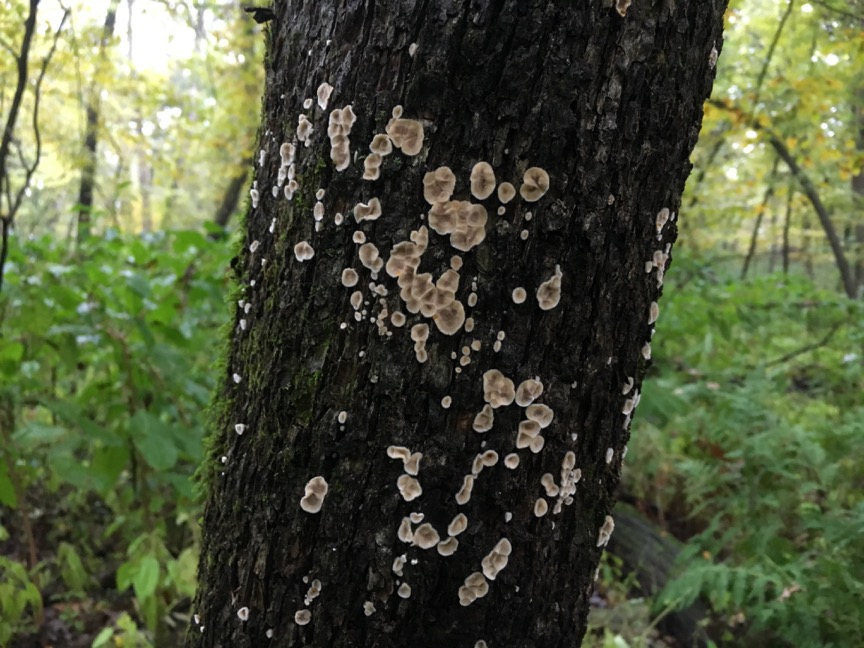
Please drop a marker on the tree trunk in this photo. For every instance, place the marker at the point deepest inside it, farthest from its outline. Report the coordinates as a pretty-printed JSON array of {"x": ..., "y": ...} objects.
[
  {"x": 91, "y": 132},
  {"x": 610, "y": 106}
]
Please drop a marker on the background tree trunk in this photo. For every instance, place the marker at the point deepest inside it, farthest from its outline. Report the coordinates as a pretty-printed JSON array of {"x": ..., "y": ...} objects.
[{"x": 610, "y": 106}]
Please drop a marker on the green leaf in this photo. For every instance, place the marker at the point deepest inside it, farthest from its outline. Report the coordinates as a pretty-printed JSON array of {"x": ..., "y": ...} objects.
[
  {"x": 153, "y": 440},
  {"x": 102, "y": 638},
  {"x": 146, "y": 578},
  {"x": 7, "y": 490}
]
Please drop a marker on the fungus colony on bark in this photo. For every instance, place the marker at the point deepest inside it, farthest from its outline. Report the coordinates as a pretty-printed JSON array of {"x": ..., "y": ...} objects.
[{"x": 426, "y": 297}]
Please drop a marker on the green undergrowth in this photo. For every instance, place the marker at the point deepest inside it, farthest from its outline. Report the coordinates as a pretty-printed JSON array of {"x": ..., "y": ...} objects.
[
  {"x": 107, "y": 369},
  {"x": 747, "y": 445}
]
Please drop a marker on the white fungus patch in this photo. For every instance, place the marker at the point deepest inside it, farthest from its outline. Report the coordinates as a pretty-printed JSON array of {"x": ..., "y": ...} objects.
[
  {"x": 540, "y": 507},
  {"x": 350, "y": 277},
  {"x": 240, "y": 428},
  {"x": 404, "y": 591},
  {"x": 482, "y": 180},
  {"x": 549, "y": 292},
  {"x": 498, "y": 389},
  {"x": 646, "y": 350},
  {"x": 497, "y": 559},
  {"x": 303, "y": 251},
  {"x": 368, "y": 608},
  {"x": 511, "y": 461},
  {"x": 506, "y": 192},
  {"x": 519, "y": 295},
  {"x": 406, "y": 134},
  {"x": 409, "y": 488},
  {"x": 302, "y": 617},
  {"x": 243, "y": 614},
  {"x": 475, "y": 586},
  {"x": 605, "y": 531},
  {"x": 446, "y": 402},
  {"x": 535, "y": 184},
  {"x": 610, "y": 453},
  {"x": 425, "y": 536},
  {"x": 448, "y": 547},
  {"x": 342, "y": 417},
  {"x": 484, "y": 419},
  {"x": 324, "y": 91},
  {"x": 314, "y": 493},
  {"x": 367, "y": 211},
  {"x": 653, "y": 312},
  {"x": 464, "y": 494}
]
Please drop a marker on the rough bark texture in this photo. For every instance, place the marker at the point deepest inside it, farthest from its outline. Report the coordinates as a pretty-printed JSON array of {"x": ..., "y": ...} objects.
[{"x": 611, "y": 107}]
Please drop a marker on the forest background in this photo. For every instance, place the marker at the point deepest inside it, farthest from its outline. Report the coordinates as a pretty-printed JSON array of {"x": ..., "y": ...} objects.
[{"x": 124, "y": 176}]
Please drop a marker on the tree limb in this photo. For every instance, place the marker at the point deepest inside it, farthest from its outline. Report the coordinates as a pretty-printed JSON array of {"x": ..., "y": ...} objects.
[{"x": 809, "y": 190}]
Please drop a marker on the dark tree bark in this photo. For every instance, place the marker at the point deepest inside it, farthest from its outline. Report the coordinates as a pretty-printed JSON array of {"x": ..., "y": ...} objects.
[{"x": 610, "y": 106}]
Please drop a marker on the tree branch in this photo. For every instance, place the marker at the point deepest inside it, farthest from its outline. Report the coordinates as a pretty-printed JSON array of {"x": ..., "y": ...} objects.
[
  {"x": 9, "y": 129},
  {"x": 809, "y": 190}
]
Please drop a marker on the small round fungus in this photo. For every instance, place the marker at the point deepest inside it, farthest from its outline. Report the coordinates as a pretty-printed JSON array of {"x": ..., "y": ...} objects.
[
  {"x": 511, "y": 461},
  {"x": 315, "y": 491},
  {"x": 464, "y": 494},
  {"x": 498, "y": 390},
  {"x": 381, "y": 145},
  {"x": 484, "y": 419},
  {"x": 446, "y": 402},
  {"x": 448, "y": 547},
  {"x": 605, "y": 531},
  {"x": 457, "y": 525},
  {"x": 519, "y": 295},
  {"x": 426, "y": 537},
  {"x": 303, "y": 251},
  {"x": 610, "y": 453},
  {"x": 240, "y": 428},
  {"x": 368, "y": 608},
  {"x": 409, "y": 488},
  {"x": 404, "y": 534},
  {"x": 412, "y": 463},
  {"x": 646, "y": 350},
  {"x": 450, "y": 318},
  {"x": 342, "y": 416},
  {"x": 372, "y": 166},
  {"x": 438, "y": 185},
  {"x": 302, "y": 617},
  {"x": 506, "y": 192},
  {"x": 349, "y": 277},
  {"x": 406, "y": 134},
  {"x": 653, "y": 312},
  {"x": 537, "y": 444},
  {"x": 324, "y": 92},
  {"x": 367, "y": 211},
  {"x": 542, "y": 414},
  {"x": 456, "y": 262},
  {"x": 540, "y": 507},
  {"x": 549, "y": 292},
  {"x": 397, "y": 319},
  {"x": 404, "y": 591},
  {"x": 482, "y": 180},
  {"x": 528, "y": 390},
  {"x": 370, "y": 257},
  {"x": 243, "y": 614},
  {"x": 535, "y": 184}
]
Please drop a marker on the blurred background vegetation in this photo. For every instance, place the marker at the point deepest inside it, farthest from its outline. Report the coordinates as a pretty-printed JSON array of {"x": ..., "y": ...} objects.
[{"x": 122, "y": 181}]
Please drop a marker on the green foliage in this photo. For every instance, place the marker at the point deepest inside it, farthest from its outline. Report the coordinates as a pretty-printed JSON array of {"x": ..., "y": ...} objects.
[
  {"x": 20, "y": 600},
  {"x": 107, "y": 356},
  {"x": 748, "y": 434}
]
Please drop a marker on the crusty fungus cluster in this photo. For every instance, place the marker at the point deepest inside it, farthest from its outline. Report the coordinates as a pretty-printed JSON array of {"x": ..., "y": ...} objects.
[
  {"x": 433, "y": 297},
  {"x": 409, "y": 487},
  {"x": 474, "y": 587},
  {"x": 338, "y": 129}
]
